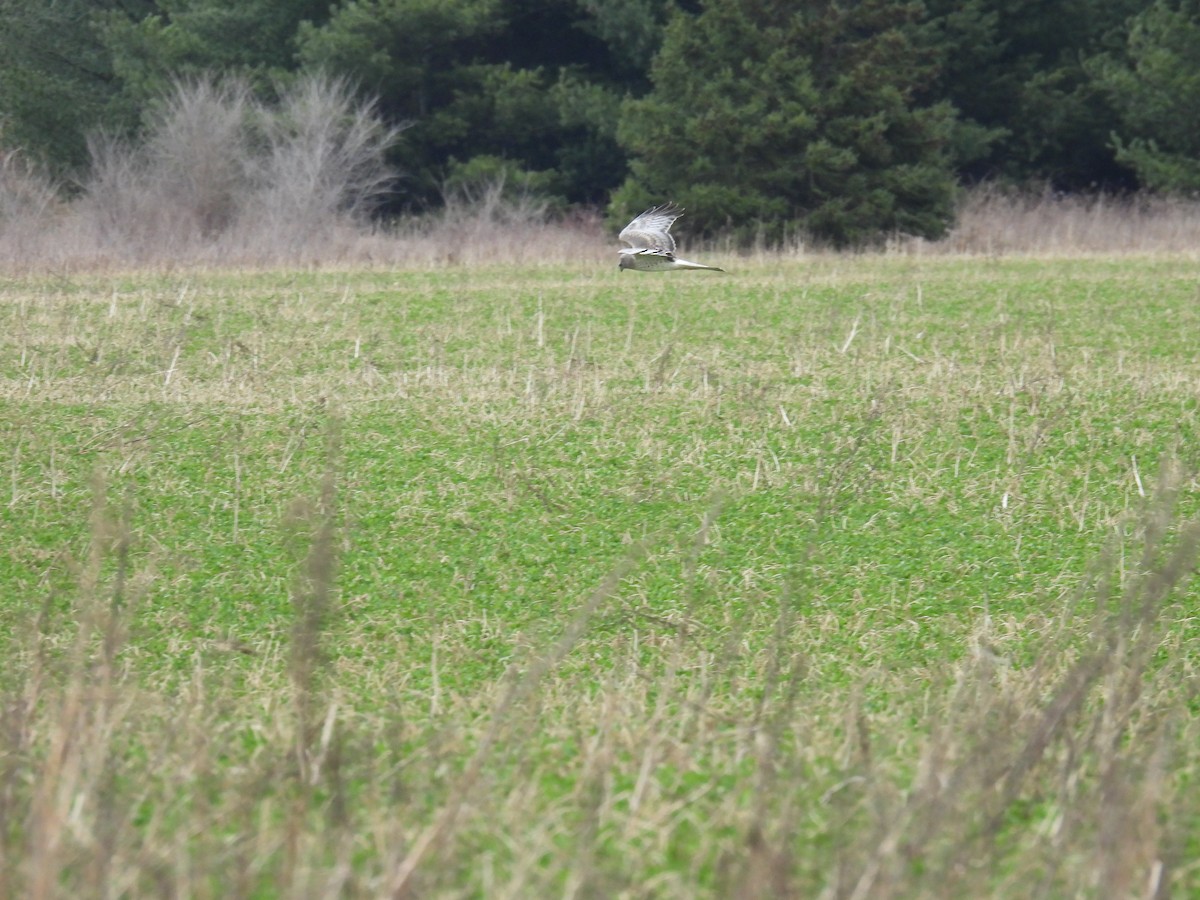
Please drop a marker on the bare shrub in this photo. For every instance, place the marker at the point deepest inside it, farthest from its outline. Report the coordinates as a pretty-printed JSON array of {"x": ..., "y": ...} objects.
[
  {"x": 481, "y": 205},
  {"x": 323, "y": 160},
  {"x": 26, "y": 193},
  {"x": 119, "y": 208},
  {"x": 199, "y": 151},
  {"x": 183, "y": 184},
  {"x": 489, "y": 222},
  {"x": 473, "y": 213},
  {"x": 29, "y": 203},
  {"x": 220, "y": 176}
]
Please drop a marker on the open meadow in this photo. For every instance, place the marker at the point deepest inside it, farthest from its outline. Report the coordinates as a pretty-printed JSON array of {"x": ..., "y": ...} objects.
[{"x": 849, "y": 576}]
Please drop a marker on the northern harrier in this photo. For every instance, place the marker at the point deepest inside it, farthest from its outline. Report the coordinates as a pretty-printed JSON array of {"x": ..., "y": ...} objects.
[{"x": 651, "y": 247}]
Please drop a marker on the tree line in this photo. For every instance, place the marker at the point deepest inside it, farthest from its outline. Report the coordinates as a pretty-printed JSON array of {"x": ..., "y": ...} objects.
[{"x": 848, "y": 120}]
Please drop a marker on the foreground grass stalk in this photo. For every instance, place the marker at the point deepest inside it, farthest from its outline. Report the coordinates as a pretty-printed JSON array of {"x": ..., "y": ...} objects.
[
  {"x": 1079, "y": 719},
  {"x": 84, "y": 712},
  {"x": 521, "y": 686}
]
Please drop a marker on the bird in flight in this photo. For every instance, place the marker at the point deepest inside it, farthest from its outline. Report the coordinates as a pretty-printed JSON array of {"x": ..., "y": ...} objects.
[{"x": 651, "y": 247}]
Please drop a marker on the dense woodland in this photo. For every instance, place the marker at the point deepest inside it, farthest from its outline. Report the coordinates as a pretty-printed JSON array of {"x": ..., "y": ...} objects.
[{"x": 847, "y": 120}]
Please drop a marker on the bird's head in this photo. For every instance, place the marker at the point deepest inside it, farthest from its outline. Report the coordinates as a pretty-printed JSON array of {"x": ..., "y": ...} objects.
[{"x": 626, "y": 262}]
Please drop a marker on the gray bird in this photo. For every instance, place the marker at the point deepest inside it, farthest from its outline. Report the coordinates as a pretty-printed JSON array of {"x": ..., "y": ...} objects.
[{"x": 651, "y": 247}]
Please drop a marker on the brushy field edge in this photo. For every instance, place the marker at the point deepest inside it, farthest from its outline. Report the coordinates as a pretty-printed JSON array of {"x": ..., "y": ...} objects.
[{"x": 854, "y": 577}]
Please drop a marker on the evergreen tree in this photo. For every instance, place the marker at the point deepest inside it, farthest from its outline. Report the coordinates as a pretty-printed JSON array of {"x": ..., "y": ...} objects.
[
  {"x": 70, "y": 67},
  {"x": 173, "y": 39},
  {"x": 1155, "y": 86},
  {"x": 632, "y": 30},
  {"x": 1015, "y": 72},
  {"x": 527, "y": 88},
  {"x": 766, "y": 114},
  {"x": 56, "y": 77}
]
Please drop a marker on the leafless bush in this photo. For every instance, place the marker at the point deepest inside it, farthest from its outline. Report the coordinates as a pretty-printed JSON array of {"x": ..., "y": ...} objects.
[
  {"x": 493, "y": 202},
  {"x": 486, "y": 221},
  {"x": 221, "y": 176},
  {"x": 25, "y": 192},
  {"x": 122, "y": 215},
  {"x": 29, "y": 203},
  {"x": 324, "y": 161},
  {"x": 199, "y": 151},
  {"x": 182, "y": 185},
  {"x": 222, "y": 179}
]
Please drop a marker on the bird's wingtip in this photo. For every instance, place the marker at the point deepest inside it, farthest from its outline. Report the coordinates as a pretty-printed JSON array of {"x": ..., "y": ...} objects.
[{"x": 668, "y": 208}]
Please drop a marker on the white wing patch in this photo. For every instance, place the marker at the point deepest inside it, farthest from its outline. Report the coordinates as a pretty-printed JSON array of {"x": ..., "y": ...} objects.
[{"x": 652, "y": 229}]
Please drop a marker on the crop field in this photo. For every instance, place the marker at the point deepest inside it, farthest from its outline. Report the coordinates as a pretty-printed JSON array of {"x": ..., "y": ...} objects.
[{"x": 855, "y": 576}]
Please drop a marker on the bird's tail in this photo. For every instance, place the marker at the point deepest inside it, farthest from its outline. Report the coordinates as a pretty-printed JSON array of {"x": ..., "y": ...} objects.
[{"x": 686, "y": 264}]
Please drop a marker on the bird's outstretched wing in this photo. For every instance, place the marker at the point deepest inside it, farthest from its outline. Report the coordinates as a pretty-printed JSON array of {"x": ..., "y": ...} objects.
[{"x": 652, "y": 229}]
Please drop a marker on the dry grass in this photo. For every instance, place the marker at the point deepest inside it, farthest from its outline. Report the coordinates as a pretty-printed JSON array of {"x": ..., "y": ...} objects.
[
  {"x": 48, "y": 236},
  {"x": 65, "y": 239},
  {"x": 997, "y": 223}
]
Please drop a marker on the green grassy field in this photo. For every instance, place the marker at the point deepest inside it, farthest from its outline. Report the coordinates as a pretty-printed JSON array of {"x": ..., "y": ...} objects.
[{"x": 855, "y": 577}]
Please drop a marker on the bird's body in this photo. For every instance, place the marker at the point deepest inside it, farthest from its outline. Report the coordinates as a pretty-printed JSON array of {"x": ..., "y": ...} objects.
[
  {"x": 651, "y": 247},
  {"x": 656, "y": 261}
]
